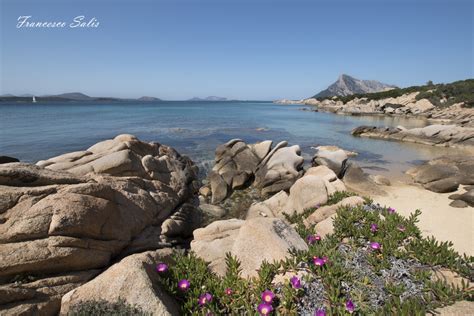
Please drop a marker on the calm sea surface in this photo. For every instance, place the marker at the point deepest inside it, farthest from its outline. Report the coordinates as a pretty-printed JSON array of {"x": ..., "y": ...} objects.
[{"x": 32, "y": 132}]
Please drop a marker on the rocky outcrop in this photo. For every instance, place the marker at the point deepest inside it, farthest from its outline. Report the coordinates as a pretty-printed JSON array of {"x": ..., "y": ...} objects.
[
  {"x": 238, "y": 165},
  {"x": 445, "y": 174},
  {"x": 133, "y": 280},
  {"x": 408, "y": 104},
  {"x": 311, "y": 190},
  {"x": 435, "y": 135},
  {"x": 79, "y": 211},
  {"x": 251, "y": 241}
]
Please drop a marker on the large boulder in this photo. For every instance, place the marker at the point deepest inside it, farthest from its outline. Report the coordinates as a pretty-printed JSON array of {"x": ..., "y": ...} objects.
[
  {"x": 332, "y": 157},
  {"x": 307, "y": 192},
  {"x": 235, "y": 163},
  {"x": 360, "y": 182},
  {"x": 238, "y": 165},
  {"x": 280, "y": 169},
  {"x": 251, "y": 241},
  {"x": 133, "y": 280},
  {"x": 56, "y": 222}
]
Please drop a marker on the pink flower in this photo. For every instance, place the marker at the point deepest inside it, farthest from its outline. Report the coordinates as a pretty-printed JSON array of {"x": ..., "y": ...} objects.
[
  {"x": 295, "y": 282},
  {"x": 401, "y": 228},
  {"x": 204, "y": 299},
  {"x": 320, "y": 312},
  {"x": 268, "y": 296},
  {"x": 350, "y": 307},
  {"x": 373, "y": 228},
  {"x": 264, "y": 308},
  {"x": 184, "y": 285},
  {"x": 318, "y": 261},
  {"x": 325, "y": 259},
  {"x": 228, "y": 291},
  {"x": 161, "y": 267},
  {"x": 391, "y": 210},
  {"x": 311, "y": 239},
  {"x": 375, "y": 245}
]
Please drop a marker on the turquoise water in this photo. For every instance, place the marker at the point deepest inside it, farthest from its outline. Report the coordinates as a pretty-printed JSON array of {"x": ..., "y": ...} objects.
[{"x": 32, "y": 132}]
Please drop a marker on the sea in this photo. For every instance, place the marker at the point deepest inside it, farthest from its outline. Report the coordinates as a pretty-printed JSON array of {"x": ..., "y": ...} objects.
[{"x": 37, "y": 131}]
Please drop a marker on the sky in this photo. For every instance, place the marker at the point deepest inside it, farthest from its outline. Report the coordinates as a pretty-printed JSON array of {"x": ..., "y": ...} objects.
[{"x": 248, "y": 50}]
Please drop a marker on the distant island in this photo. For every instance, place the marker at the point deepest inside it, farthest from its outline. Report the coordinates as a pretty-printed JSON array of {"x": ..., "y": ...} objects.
[
  {"x": 69, "y": 97},
  {"x": 210, "y": 98}
]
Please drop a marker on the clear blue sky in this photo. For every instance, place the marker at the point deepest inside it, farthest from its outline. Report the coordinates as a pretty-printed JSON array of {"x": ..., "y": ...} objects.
[{"x": 255, "y": 49}]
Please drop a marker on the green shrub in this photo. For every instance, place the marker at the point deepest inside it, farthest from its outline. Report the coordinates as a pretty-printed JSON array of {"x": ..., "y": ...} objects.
[{"x": 451, "y": 93}]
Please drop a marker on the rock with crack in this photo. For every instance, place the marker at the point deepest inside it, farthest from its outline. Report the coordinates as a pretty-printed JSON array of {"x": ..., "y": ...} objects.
[
  {"x": 309, "y": 191},
  {"x": 133, "y": 279},
  {"x": 251, "y": 241},
  {"x": 84, "y": 209},
  {"x": 40, "y": 296},
  {"x": 280, "y": 169},
  {"x": 238, "y": 165}
]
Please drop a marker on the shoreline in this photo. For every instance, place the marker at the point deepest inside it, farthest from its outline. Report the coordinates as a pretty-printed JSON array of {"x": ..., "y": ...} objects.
[{"x": 438, "y": 218}]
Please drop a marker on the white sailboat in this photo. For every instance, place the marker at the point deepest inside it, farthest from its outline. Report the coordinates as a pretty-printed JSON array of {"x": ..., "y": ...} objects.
[{"x": 34, "y": 99}]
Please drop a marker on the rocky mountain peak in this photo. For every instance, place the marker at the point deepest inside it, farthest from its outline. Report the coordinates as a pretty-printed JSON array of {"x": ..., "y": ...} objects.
[{"x": 348, "y": 85}]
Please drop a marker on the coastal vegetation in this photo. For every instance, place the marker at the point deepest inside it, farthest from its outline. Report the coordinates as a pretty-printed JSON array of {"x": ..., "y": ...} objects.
[
  {"x": 375, "y": 262},
  {"x": 441, "y": 95}
]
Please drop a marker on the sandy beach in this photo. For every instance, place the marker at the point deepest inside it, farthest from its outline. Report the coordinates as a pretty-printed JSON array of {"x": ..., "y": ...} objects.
[{"x": 438, "y": 219}]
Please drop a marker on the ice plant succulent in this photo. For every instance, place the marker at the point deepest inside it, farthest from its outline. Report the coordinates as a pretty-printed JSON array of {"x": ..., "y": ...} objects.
[
  {"x": 295, "y": 282},
  {"x": 375, "y": 245},
  {"x": 350, "y": 307},
  {"x": 204, "y": 299},
  {"x": 268, "y": 296},
  {"x": 311, "y": 239},
  {"x": 161, "y": 267},
  {"x": 374, "y": 228},
  {"x": 264, "y": 308},
  {"x": 184, "y": 285},
  {"x": 318, "y": 261},
  {"x": 320, "y": 312}
]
